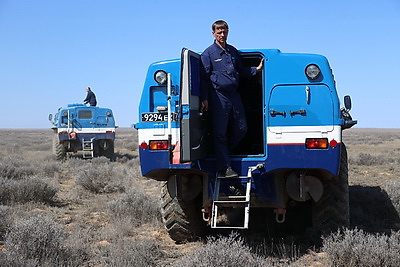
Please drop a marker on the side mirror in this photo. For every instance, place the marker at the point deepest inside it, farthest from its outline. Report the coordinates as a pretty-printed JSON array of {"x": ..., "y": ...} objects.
[
  {"x": 50, "y": 117},
  {"x": 347, "y": 102}
]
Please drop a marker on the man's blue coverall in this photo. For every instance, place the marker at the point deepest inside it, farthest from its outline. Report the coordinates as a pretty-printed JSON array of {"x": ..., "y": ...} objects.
[
  {"x": 221, "y": 69},
  {"x": 90, "y": 98}
]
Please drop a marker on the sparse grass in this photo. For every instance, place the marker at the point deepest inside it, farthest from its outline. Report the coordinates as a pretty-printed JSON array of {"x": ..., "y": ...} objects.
[
  {"x": 358, "y": 248},
  {"x": 105, "y": 214},
  {"x": 370, "y": 137}
]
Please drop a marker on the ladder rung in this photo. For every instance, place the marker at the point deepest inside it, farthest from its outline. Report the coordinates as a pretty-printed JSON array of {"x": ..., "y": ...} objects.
[
  {"x": 233, "y": 201},
  {"x": 87, "y": 148},
  {"x": 232, "y": 197},
  {"x": 230, "y": 227},
  {"x": 232, "y": 178}
]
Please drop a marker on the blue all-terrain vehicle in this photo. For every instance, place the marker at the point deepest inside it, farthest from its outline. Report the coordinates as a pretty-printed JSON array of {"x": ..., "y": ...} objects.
[
  {"x": 292, "y": 158},
  {"x": 87, "y": 129}
]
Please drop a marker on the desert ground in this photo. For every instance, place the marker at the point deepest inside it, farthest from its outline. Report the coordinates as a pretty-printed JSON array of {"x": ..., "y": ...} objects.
[{"x": 82, "y": 212}]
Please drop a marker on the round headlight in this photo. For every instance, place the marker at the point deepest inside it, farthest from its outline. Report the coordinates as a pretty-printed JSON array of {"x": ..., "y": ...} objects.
[
  {"x": 312, "y": 71},
  {"x": 160, "y": 77},
  {"x": 65, "y": 114},
  {"x": 108, "y": 113}
]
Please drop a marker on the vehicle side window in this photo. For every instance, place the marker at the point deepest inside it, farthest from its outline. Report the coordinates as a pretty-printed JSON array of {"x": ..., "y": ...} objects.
[{"x": 84, "y": 114}]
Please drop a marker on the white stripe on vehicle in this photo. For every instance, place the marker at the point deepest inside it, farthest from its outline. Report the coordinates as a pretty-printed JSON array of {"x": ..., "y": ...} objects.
[
  {"x": 86, "y": 130},
  {"x": 298, "y": 134},
  {"x": 145, "y": 135},
  {"x": 275, "y": 135}
]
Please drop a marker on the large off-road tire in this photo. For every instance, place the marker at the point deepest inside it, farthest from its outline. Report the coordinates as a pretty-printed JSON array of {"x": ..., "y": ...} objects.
[
  {"x": 109, "y": 152},
  {"x": 331, "y": 212},
  {"x": 183, "y": 219},
  {"x": 58, "y": 149}
]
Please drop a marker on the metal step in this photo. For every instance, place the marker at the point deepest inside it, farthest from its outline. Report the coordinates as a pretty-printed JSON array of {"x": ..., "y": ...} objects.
[
  {"x": 87, "y": 148},
  {"x": 232, "y": 201}
]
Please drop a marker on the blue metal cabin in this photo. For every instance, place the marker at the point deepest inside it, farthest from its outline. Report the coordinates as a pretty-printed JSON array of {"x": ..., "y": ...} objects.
[
  {"x": 286, "y": 90},
  {"x": 86, "y": 122},
  {"x": 84, "y": 128},
  {"x": 295, "y": 124}
]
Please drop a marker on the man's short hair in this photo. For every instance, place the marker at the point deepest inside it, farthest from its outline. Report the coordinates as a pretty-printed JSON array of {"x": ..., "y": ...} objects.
[{"x": 219, "y": 24}]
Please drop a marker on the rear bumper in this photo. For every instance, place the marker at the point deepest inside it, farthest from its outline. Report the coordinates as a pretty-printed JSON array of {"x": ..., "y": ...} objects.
[
  {"x": 87, "y": 136},
  {"x": 154, "y": 163}
]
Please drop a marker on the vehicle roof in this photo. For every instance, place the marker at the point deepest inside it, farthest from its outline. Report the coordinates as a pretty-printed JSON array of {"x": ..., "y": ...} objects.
[{"x": 80, "y": 106}]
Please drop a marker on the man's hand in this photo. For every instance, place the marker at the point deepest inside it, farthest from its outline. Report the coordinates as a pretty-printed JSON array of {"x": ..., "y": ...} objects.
[
  {"x": 261, "y": 65},
  {"x": 204, "y": 106}
]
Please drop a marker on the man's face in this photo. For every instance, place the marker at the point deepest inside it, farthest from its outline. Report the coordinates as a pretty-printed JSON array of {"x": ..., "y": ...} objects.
[{"x": 221, "y": 35}]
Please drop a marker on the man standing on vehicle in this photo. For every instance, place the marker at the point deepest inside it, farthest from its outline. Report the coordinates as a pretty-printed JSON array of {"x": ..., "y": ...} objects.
[
  {"x": 90, "y": 98},
  {"x": 222, "y": 68}
]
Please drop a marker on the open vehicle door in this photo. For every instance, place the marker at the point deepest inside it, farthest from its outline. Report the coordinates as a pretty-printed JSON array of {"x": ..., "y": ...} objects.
[{"x": 193, "y": 125}]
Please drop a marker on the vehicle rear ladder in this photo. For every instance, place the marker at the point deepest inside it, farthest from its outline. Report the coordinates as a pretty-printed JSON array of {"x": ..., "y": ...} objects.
[
  {"x": 232, "y": 201},
  {"x": 87, "y": 148}
]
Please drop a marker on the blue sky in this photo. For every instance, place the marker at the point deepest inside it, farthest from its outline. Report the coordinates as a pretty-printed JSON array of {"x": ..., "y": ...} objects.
[{"x": 50, "y": 51}]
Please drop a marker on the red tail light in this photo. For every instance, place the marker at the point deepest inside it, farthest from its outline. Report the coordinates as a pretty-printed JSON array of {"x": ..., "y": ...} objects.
[
  {"x": 317, "y": 143},
  {"x": 72, "y": 135},
  {"x": 158, "y": 145}
]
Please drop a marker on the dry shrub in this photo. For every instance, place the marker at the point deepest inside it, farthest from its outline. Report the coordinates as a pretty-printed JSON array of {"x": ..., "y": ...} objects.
[
  {"x": 283, "y": 249},
  {"x": 99, "y": 176},
  {"x": 16, "y": 168},
  {"x": 49, "y": 167},
  {"x": 136, "y": 205},
  {"x": 128, "y": 144},
  {"x": 4, "y": 220},
  {"x": 135, "y": 168},
  {"x": 74, "y": 164},
  {"x": 126, "y": 139},
  {"x": 366, "y": 159},
  {"x": 223, "y": 251},
  {"x": 393, "y": 190},
  {"x": 39, "y": 241},
  {"x": 27, "y": 189},
  {"x": 358, "y": 248},
  {"x": 128, "y": 252}
]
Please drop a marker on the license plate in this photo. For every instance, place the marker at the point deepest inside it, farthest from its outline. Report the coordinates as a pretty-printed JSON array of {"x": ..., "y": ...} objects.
[{"x": 157, "y": 117}]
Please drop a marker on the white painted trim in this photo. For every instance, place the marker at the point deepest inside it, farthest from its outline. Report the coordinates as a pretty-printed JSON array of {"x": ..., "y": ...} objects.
[
  {"x": 298, "y": 134},
  {"x": 283, "y": 135},
  {"x": 86, "y": 130},
  {"x": 145, "y": 135}
]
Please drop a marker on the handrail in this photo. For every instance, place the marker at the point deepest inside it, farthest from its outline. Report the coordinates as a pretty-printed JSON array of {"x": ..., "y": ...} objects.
[{"x": 169, "y": 102}]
